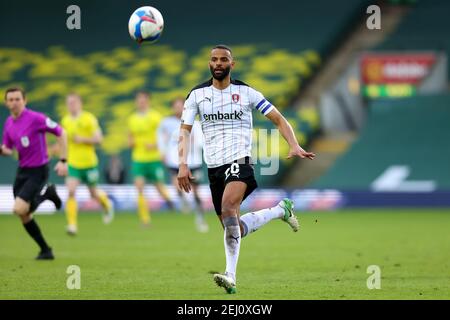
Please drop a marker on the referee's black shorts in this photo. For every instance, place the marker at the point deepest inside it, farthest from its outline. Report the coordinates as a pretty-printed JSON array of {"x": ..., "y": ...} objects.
[
  {"x": 29, "y": 182},
  {"x": 239, "y": 170}
]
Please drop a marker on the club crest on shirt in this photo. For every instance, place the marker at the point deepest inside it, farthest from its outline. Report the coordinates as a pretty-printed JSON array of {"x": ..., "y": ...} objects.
[
  {"x": 50, "y": 123},
  {"x": 25, "y": 141},
  {"x": 235, "y": 98}
]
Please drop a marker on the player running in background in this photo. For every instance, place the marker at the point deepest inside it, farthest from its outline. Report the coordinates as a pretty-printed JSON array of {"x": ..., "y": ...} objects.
[
  {"x": 83, "y": 134},
  {"x": 24, "y": 131},
  {"x": 168, "y": 133},
  {"x": 146, "y": 164},
  {"x": 225, "y": 108}
]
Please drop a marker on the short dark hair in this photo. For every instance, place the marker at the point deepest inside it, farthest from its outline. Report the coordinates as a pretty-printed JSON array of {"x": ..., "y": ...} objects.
[
  {"x": 223, "y": 46},
  {"x": 15, "y": 89}
]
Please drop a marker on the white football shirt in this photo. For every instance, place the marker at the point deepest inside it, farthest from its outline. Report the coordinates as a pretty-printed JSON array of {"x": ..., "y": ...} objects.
[
  {"x": 168, "y": 136},
  {"x": 226, "y": 119}
]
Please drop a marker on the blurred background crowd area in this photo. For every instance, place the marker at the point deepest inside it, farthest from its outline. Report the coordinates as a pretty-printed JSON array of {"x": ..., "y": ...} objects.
[{"x": 339, "y": 83}]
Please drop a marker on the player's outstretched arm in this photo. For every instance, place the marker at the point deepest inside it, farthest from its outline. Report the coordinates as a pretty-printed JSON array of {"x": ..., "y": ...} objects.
[
  {"x": 61, "y": 166},
  {"x": 288, "y": 134},
  {"x": 5, "y": 151},
  {"x": 184, "y": 174}
]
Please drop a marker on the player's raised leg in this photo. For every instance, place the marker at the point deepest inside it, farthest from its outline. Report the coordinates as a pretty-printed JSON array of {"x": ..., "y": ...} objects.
[
  {"x": 90, "y": 177},
  {"x": 284, "y": 210},
  {"x": 162, "y": 189},
  {"x": 102, "y": 198}
]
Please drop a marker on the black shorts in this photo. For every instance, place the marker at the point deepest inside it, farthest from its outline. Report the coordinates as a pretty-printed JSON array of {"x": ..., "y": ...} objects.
[
  {"x": 29, "y": 182},
  {"x": 196, "y": 172},
  {"x": 239, "y": 170}
]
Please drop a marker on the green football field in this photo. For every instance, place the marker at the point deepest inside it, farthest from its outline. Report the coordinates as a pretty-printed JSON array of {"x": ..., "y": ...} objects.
[{"x": 327, "y": 259}]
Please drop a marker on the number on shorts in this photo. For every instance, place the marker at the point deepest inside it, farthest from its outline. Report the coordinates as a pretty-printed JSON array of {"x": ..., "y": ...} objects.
[{"x": 233, "y": 170}]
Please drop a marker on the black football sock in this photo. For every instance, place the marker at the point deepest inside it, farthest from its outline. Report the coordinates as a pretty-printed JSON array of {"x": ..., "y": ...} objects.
[{"x": 34, "y": 232}]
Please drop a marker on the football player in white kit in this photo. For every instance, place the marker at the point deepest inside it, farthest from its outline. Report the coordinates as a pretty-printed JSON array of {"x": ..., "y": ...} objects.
[
  {"x": 225, "y": 108},
  {"x": 168, "y": 133}
]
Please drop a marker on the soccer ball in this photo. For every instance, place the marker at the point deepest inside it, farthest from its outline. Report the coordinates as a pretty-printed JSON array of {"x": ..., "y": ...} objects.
[{"x": 146, "y": 24}]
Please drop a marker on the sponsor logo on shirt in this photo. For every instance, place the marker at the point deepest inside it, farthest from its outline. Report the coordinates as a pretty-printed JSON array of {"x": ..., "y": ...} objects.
[{"x": 223, "y": 116}]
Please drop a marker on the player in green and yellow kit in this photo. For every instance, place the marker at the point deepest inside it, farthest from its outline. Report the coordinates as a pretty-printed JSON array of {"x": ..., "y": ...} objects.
[
  {"x": 84, "y": 133},
  {"x": 147, "y": 165}
]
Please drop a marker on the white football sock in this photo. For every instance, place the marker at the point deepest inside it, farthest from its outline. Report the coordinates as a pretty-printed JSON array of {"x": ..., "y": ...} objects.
[
  {"x": 254, "y": 220},
  {"x": 232, "y": 242}
]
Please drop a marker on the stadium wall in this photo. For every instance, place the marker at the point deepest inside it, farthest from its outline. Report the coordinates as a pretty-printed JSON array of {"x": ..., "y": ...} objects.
[
  {"x": 403, "y": 147},
  {"x": 124, "y": 199}
]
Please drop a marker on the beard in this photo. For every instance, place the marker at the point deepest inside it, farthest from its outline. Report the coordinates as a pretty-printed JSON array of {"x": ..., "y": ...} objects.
[{"x": 225, "y": 72}]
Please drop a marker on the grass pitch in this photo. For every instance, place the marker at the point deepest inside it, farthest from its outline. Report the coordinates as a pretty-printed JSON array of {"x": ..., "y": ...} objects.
[{"x": 326, "y": 259}]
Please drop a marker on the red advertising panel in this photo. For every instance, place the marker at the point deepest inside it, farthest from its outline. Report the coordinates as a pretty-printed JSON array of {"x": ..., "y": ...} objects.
[{"x": 383, "y": 68}]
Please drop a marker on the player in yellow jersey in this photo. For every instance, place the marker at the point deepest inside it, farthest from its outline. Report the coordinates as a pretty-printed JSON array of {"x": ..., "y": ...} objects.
[
  {"x": 84, "y": 133},
  {"x": 146, "y": 164}
]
